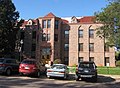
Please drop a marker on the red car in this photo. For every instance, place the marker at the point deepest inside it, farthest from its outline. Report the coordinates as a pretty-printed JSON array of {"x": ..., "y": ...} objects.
[{"x": 31, "y": 67}]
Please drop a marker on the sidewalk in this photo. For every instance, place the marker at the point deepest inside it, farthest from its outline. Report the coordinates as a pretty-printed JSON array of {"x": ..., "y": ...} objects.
[{"x": 112, "y": 76}]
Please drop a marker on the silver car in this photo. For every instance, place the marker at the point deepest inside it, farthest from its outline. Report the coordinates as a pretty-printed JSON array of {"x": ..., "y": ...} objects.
[{"x": 58, "y": 70}]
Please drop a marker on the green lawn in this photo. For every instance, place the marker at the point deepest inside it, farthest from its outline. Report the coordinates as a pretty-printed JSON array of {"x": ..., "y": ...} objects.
[
  {"x": 102, "y": 70},
  {"x": 109, "y": 70}
]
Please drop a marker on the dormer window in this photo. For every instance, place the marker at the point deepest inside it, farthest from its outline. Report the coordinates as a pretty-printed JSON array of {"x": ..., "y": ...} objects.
[
  {"x": 29, "y": 22},
  {"x": 73, "y": 19}
]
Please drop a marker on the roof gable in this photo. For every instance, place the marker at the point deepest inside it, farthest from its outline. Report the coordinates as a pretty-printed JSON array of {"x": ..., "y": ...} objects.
[{"x": 50, "y": 15}]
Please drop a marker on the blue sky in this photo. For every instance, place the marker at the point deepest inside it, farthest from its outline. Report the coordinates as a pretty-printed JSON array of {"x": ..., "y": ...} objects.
[{"x": 61, "y": 8}]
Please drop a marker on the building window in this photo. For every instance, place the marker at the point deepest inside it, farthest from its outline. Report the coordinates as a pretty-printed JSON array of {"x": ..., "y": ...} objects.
[
  {"x": 66, "y": 34},
  {"x": 48, "y": 37},
  {"x": 80, "y": 33},
  {"x": 44, "y": 23},
  {"x": 33, "y": 57},
  {"x": 48, "y": 56},
  {"x": 27, "y": 26},
  {"x": 46, "y": 53},
  {"x": 91, "y": 59},
  {"x": 80, "y": 46},
  {"x": 22, "y": 35},
  {"x": 34, "y": 35},
  {"x": 56, "y": 24},
  {"x": 80, "y": 59},
  {"x": 56, "y": 37},
  {"x": 107, "y": 61},
  {"x": 43, "y": 37},
  {"x": 37, "y": 38},
  {"x": 91, "y": 33},
  {"x": 33, "y": 47},
  {"x": 106, "y": 48},
  {"x": 66, "y": 60},
  {"x": 91, "y": 47},
  {"x": 48, "y": 23},
  {"x": 66, "y": 47}
]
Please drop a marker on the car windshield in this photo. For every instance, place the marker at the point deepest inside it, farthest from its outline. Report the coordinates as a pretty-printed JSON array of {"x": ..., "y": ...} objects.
[
  {"x": 1, "y": 60},
  {"x": 86, "y": 65},
  {"x": 58, "y": 67},
  {"x": 28, "y": 62}
]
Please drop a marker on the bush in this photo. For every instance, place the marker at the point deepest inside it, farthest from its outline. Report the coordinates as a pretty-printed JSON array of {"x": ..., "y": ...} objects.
[
  {"x": 57, "y": 61},
  {"x": 118, "y": 63},
  {"x": 74, "y": 65}
]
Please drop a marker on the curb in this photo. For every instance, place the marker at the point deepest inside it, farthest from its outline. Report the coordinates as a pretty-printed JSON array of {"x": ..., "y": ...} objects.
[{"x": 112, "y": 76}]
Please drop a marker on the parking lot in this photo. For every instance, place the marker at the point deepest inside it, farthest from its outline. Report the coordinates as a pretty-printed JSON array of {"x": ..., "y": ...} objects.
[{"x": 17, "y": 81}]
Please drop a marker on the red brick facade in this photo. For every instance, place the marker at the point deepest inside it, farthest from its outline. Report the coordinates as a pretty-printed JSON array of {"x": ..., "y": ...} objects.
[{"x": 70, "y": 39}]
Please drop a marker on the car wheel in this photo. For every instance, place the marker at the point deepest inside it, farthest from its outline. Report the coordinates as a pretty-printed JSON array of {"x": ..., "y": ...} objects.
[
  {"x": 38, "y": 74},
  {"x": 21, "y": 74},
  {"x": 8, "y": 72},
  {"x": 82, "y": 78},
  {"x": 95, "y": 79},
  {"x": 77, "y": 78},
  {"x": 65, "y": 76}
]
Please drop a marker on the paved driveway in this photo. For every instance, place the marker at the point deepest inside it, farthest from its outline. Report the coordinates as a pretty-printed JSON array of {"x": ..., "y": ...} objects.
[{"x": 43, "y": 82}]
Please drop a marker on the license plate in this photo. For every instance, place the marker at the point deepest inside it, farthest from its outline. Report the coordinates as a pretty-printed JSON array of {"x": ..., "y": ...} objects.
[
  {"x": 27, "y": 68},
  {"x": 86, "y": 71},
  {"x": 86, "y": 75}
]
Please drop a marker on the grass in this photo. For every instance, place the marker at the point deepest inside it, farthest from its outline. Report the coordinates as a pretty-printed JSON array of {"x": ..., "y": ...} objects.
[
  {"x": 72, "y": 69},
  {"x": 102, "y": 70},
  {"x": 109, "y": 70}
]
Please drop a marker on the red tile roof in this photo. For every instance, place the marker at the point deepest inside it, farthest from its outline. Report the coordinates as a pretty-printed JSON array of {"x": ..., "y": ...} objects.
[
  {"x": 64, "y": 21},
  {"x": 24, "y": 23},
  {"x": 87, "y": 19},
  {"x": 35, "y": 21},
  {"x": 50, "y": 15}
]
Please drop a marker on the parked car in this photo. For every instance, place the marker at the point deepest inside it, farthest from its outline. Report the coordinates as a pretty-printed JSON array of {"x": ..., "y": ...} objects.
[
  {"x": 31, "y": 67},
  {"x": 8, "y": 66},
  {"x": 58, "y": 70},
  {"x": 86, "y": 69}
]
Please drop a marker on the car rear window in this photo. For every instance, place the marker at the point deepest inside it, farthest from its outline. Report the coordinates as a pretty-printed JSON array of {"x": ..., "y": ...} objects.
[
  {"x": 28, "y": 62},
  {"x": 86, "y": 65},
  {"x": 58, "y": 67}
]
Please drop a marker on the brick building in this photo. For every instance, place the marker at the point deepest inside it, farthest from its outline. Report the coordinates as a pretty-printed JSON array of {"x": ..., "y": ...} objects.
[{"x": 71, "y": 39}]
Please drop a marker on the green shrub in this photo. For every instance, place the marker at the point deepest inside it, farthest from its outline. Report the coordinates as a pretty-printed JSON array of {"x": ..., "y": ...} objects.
[
  {"x": 74, "y": 65},
  {"x": 118, "y": 63}
]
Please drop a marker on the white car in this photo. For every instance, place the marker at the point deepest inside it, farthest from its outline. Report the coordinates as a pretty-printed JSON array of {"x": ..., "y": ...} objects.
[{"x": 58, "y": 70}]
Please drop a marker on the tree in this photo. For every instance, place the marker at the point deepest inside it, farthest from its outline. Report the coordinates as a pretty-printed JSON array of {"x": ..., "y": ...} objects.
[
  {"x": 8, "y": 27},
  {"x": 110, "y": 18}
]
